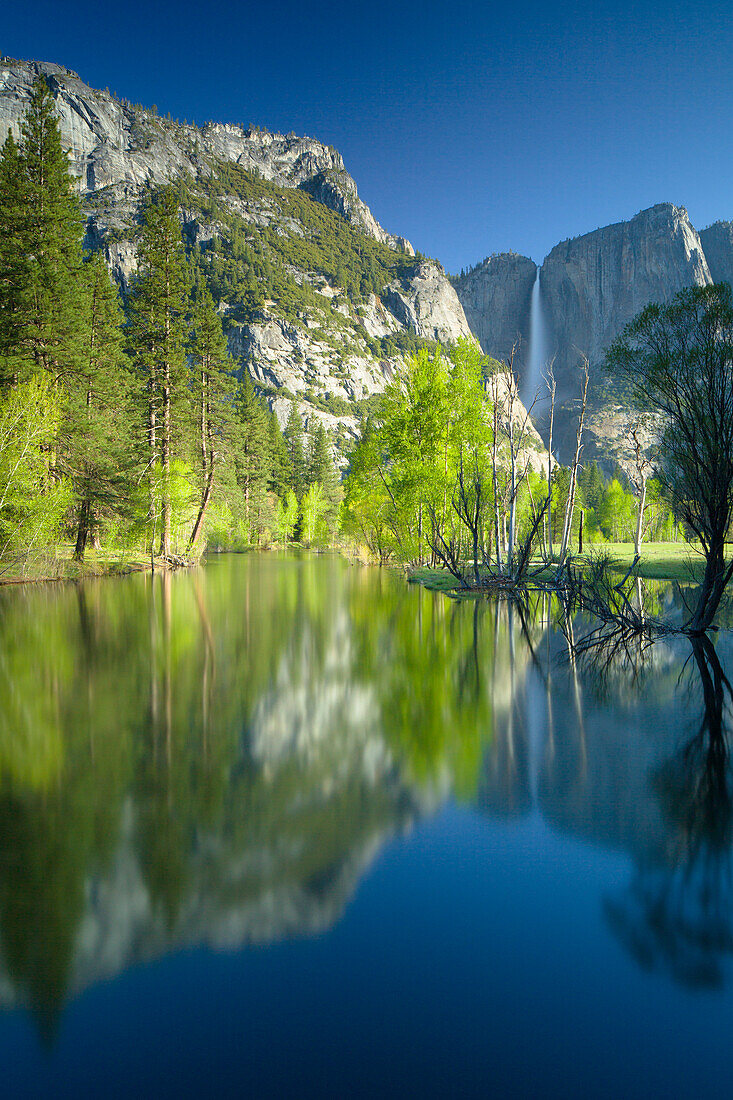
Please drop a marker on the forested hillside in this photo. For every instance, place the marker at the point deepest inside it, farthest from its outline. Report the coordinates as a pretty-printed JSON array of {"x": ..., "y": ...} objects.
[{"x": 318, "y": 300}]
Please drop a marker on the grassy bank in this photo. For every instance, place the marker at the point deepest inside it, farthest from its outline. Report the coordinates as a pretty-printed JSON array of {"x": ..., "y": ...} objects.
[
  {"x": 659, "y": 561},
  {"x": 663, "y": 561},
  {"x": 59, "y": 565}
]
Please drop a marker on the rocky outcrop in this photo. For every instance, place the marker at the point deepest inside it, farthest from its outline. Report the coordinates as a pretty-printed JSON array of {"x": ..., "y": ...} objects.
[
  {"x": 717, "y": 241},
  {"x": 593, "y": 285},
  {"x": 590, "y": 287},
  {"x": 116, "y": 148},
  {"x": 496, "y": 297},
  {"x": 326, "y": 356},
  {"x": 336, "y": 189},
  {"x": 427, "y": 304}
]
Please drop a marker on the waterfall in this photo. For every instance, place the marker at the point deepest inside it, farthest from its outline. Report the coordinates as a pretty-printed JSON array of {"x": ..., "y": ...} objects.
[{"x": 532, "y": 383}]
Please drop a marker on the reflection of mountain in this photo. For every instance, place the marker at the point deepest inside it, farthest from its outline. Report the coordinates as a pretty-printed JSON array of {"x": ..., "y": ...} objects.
[
  {"x": 312, "y": 794},
  {"x": 217, "y": 758},
  {"x": 226, "y": 754}
]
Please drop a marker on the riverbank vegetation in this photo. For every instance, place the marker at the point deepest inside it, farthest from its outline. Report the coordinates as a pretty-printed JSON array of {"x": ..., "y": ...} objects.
[
  {"x": 676, "y": 360},
  {"x": 127, "y": 429},
  {"x": 451, "y": 475},
  {"x": 124, "y": 424}
]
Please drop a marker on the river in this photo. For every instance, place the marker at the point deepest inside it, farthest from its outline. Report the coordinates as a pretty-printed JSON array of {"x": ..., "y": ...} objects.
[{"x": 286, "y": 826}]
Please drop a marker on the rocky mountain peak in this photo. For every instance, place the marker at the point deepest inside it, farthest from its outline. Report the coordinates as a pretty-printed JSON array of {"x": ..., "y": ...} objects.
[
  {"x": 120, "y": 147},
  {"x": 496, "y": 296},
  {"x": 717, "y": 241}
]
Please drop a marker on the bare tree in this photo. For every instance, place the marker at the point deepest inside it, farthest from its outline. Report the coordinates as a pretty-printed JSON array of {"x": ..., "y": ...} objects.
[
  {"x": 551, "y": 386},
  {"x": 517, "y": 421},
  {"x": 676, "y": 360},
  {"x": 641, "y": 471},
  {"x": 570, "y": 505},
  {"x": 494, "y": 463}
]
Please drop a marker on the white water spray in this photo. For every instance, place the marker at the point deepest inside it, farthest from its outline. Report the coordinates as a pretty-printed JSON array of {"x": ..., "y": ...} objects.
[{"x": 539, "y": 352}]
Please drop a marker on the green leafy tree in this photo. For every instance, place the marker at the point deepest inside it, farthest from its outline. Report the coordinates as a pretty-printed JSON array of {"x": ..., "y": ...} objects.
[
  {"x": 313, "y": 509},
  {"x": 31, "y": 504},
  {"x": 368, "y": 506},
  {"x": 286, "y": 517},
  {"x": 432, "y": 430},
  {"x": 617, "y": 513},
  {"x": 415, "y": 429}
]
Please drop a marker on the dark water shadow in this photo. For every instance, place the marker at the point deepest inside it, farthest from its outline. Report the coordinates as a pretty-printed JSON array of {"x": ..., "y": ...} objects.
[{"x": 677, "y": 916}]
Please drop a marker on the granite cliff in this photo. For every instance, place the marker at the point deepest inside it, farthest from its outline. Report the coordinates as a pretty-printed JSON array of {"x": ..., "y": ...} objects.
[
  {"x": 121, "y": 148},
  {"x": 591, "y": 286},
  {"x": 496, "y": 297},
  {"x": 319, "y": 301},
  {"x": 717, "y": 242}
]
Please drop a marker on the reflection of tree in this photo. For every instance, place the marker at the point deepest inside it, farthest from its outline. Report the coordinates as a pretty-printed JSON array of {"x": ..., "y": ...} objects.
[
  {"x": 428, "y": 660},
  {"x": 678, "y": 916},
  {"x": 243, "y": 738},
  {"x": 41, "y": 902}
]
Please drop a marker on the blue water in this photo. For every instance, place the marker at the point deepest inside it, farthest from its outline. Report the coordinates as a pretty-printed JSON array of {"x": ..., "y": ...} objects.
[{"x": 471, "y": 953}]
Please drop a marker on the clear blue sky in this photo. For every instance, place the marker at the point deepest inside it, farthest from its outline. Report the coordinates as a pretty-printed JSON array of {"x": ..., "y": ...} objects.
[{"x": 469, "y": 127}]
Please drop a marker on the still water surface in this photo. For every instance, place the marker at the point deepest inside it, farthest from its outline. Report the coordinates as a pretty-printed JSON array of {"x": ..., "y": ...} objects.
[{"x": 289, "y": 827}]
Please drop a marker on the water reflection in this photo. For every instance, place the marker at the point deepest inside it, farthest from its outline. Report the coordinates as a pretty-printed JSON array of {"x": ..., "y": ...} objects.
[
  {"x": 217, "y": 758},
  {"x": 677, "y": 915}
]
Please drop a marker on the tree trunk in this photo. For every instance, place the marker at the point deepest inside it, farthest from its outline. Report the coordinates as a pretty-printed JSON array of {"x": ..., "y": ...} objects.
[
  {"x": 202, "y": 510},
  {"x": 82, "y": 530},
  {"x": 207, "y": 458},
  {"x": 165, "y": 455},
  {"x": 513, "y": 496},
  {"x": 640, "y": 518},
  {"x": 494, "y": 474},
  {"x": 567, "y": 526},
  {"x": 549, "y": 465},
  {"x": 153, "y": 452},
  {"x": 716, "y": 577}
]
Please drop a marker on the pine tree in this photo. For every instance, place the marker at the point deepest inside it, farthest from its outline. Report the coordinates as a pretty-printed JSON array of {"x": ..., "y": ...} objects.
[
  {"x": 592, "y": 483},
  {"x": 42, "y": 293},
  {"x": 159, "y": 305},
  {"x": 294, "y": 442},
  {"x": 254, "y": 458},
  {"x": 14, "y": 260},
  {"x": 281, "y": 471},
  {"x": 322, "y": 471},
  {"x": 213, "y": 387},
  {"x": 100, "y": 436}
]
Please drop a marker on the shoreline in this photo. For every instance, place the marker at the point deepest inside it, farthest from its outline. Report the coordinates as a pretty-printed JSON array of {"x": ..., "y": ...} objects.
[
  {"x": 66, "y": 570},
  {"x": 668, "y": 562}
]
